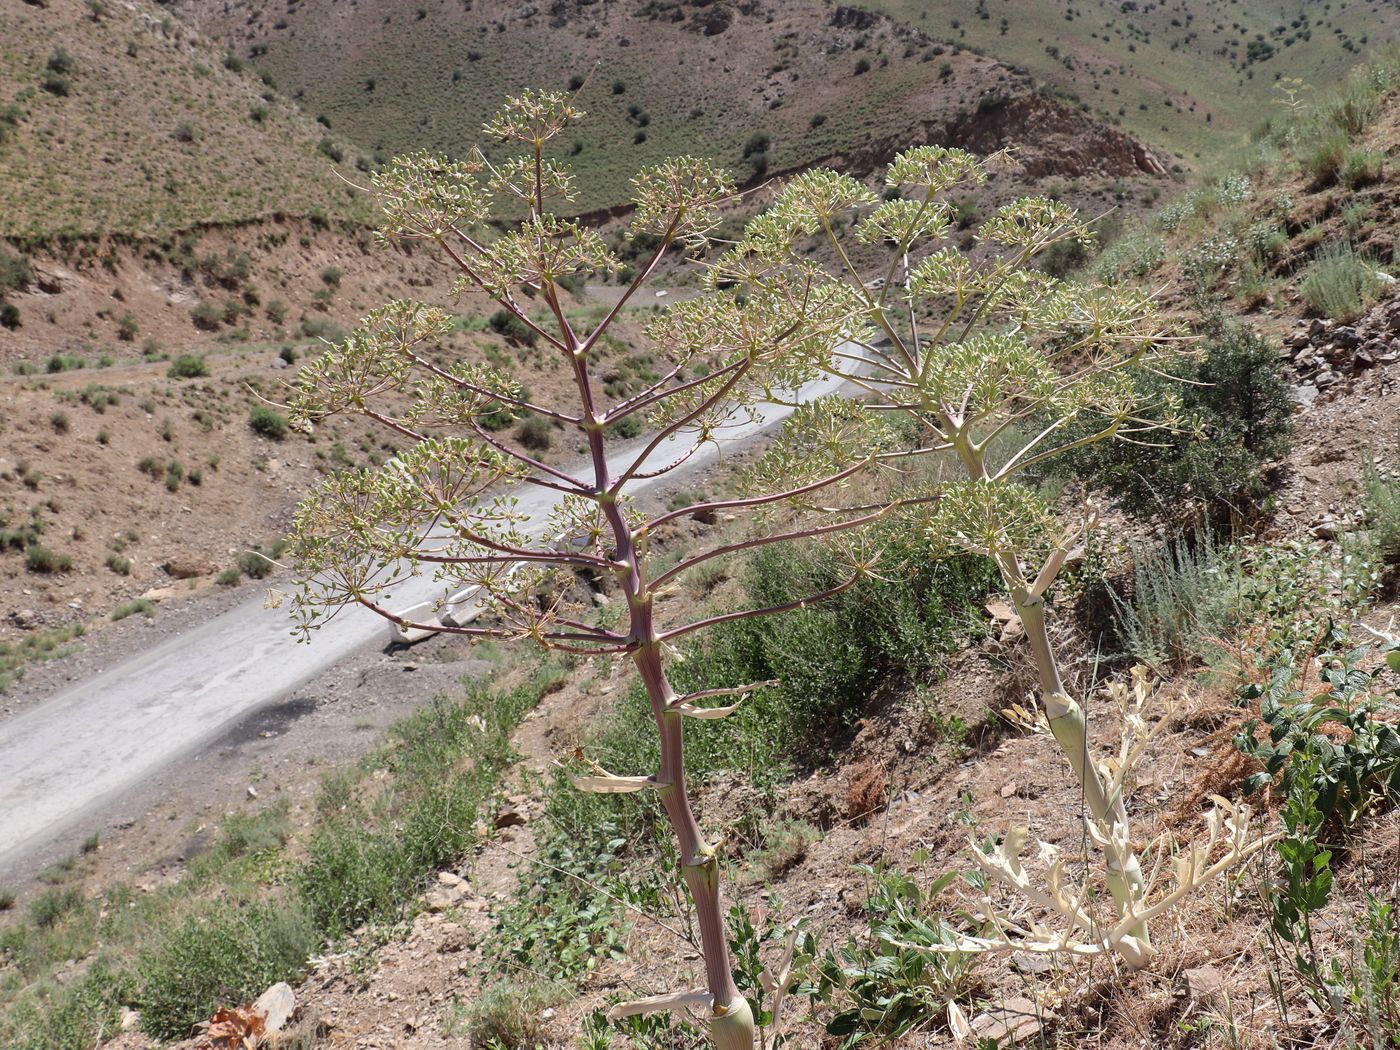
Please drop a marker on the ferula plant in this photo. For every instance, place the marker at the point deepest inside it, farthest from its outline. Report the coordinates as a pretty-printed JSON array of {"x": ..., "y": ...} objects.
[
  {"x": 993, "y": 359},
  {"x": 472, "y": 505}
]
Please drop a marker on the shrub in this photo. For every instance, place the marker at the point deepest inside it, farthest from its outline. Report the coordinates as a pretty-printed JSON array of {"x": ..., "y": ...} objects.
[
  {"x": 1339, "y": 283},
  {"x": 15, "y": 274},
  {"x": 40, "y": 559},
  {"x": 53, "y": 905},
  {"x": 144, "y": 606},
  {"x": 536, "y": 433},
  {"x": 208, "y": 316},
  {"x": 863, "y": 66},
  {"x": 1238, "y": 410},
  {"x": 1187, "y": 599},
  {"x": 174, "y": 474},
  {"x": 276, "y": 312},
  {"x": 187, "y": 366},
  {"x": 510, "y": 1014},
  {"x": 1323, "y": 163},
  {"x": 119, "y": 565},
  {"x": 228, "y": 578},
  {"x": 1381, "y": 502},
  {"x": 331, "y": 276},
  {"x": 1362, "y": 167},
  {"x": 268, "y": 422},
  {"x": 230, "y": 954},
  {"x": 256, "y": 563},
  {"x": 59, "y": 422},
  {"x": 9, "y": 315}
]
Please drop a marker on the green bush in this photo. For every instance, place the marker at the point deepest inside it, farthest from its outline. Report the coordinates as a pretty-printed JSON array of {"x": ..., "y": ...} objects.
[
  {"x": 255, "y": 564},
  {"x": 1238, "y": 410},
  {"x": 15, "y": 273},
  {"x": 367, "y": 860},
  {"x": 9, "y": 315},
  {"x": 505, "y": 323},
  {"x": 1381, "y": 503},
  {"x": 144, "y": 606},
  {"x": 1187, "y": 599},
  {"x": 536, "y": 433},
  {"x": 1339, "y": 283},
  {"x": 1323, "y": 163},
  {"x": 187, "y": 366},
  {"x": 230, "y": 954},
  {"x": 268, "y": 422},
  {"x": 40, "y": 559},
  {"x": 208, "y": 316},
  {"x": 54, "y": 904}
]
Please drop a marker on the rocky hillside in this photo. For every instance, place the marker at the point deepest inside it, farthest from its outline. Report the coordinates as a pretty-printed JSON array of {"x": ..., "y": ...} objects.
[
  {"x": 761, "y": 86},
  {"x": 117, "y": 118},
  {"x": 1189, "y": 76}
]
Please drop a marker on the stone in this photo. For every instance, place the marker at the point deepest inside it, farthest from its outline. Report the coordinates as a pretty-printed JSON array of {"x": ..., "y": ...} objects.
[
  {"x": 1202, "y": 986},
  {"x": 450, "y": 878},
  {"x": 1346, "y": 337},
  {"x": 1016, "y": 1022},
  {"x": 1000, "y": 610},
  {"x": 130, "y": 1019},
  {"x": 1305, "y": 394},
  {"x": 1326, "y": 529},
  {"x": 276, "y": 1005},
  {"x": 187, "y": 568},
  {"x": 510, "y": 817}
]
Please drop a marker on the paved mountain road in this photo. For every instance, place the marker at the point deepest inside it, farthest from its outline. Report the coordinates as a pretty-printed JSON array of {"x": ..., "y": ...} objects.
[{"x": 72, "y": 757}]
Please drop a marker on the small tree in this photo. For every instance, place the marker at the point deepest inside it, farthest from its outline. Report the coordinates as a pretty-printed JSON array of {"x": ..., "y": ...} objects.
[
  {"x": 995, "y": 361},
  {"x": 457, "y": 502}
]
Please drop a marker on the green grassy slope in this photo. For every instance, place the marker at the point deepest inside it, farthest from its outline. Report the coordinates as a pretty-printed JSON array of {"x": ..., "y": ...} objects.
[
  {"x": 1187, "y": 75},
  {"x": 388, "y": 76},
  {"x": 117, "y": 118}
]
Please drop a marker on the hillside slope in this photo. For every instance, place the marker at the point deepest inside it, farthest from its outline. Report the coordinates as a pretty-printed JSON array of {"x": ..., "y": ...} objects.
[
  {"x": 1187, "y": 75},
  {"x": 760, "y": 86},
  {"x": 117, "y": 118}
]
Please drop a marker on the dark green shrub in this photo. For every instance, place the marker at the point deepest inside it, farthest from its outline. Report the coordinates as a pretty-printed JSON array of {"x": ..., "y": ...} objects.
[
  {"x": 255, "y": 564},
  {"x": 187, "y": 366},
  {"x": 1241, "y": 408},
  {"x": 268, "y": 422},
  {"x": 9, "y": 315},
  {"x": 516, "y": 331},
  {"x": 536, "y": 433}
]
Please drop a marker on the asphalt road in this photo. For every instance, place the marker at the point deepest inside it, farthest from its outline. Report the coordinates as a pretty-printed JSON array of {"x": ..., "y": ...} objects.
[{"x": 70, "y": 759}]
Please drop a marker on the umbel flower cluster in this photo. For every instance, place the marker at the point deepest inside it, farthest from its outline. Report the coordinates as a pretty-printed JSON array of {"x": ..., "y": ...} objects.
[{"x": 989, "y": 357}]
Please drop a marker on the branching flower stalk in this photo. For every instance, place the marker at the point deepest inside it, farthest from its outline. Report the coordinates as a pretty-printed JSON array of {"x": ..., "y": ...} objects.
[
  {"x": 994, "y": 359},
  {"x": 476, "y": 508}
]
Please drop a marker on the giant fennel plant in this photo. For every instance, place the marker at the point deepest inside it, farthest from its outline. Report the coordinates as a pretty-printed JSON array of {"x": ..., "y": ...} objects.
[
  {"x": 994, "y": 360},
  {"x": 454, "y": 503}
]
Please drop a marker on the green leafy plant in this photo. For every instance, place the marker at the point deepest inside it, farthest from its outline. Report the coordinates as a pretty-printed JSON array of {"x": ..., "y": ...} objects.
[
  {"x": 905, "y": 976},
  {"x": 268, "y": 422},
  {"x": 1339, "y": 283},
  {"x": 970, "y": 351},
  {"x": 1350, "y": 751},
  {"x": 187, "y": 366},
  {"x": 1234, "y": 411}
]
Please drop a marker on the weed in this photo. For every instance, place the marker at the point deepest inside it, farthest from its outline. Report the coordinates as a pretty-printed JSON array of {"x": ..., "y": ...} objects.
[
  {"x": 268, "y": 422},
  {"x": 187, "y": 366},
  {"x": 886, "y": 986},
  {"x": 1339, "y": 283},
  {"x": 119, "y": 565},
  {"x": 40, "y": 559},
  {"x": 507, "y": 1015},
  {"x": 144, "y": 606},
  {"x": 231, "y": 953}
]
